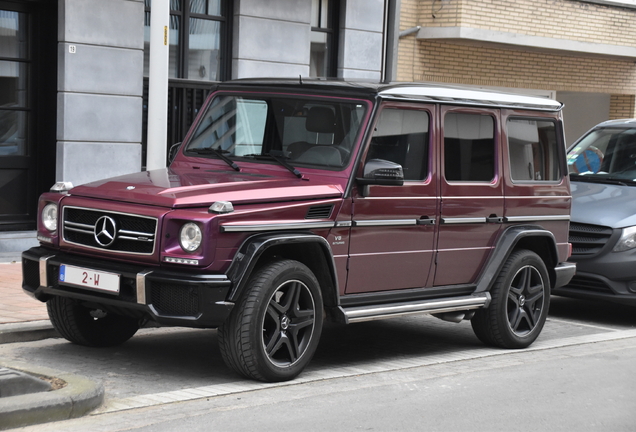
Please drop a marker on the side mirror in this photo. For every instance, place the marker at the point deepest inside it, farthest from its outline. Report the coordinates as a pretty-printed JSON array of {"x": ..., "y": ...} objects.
[
  {"x": 172, "y": 152},
  {"x": 382, "y": 172}
]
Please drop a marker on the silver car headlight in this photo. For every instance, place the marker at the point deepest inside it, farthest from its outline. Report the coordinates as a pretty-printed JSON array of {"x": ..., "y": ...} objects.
[
  {"x": 190, "y": 237},
  {"x": 49, "y": 217},
  {"x": 627, "y": 240}
]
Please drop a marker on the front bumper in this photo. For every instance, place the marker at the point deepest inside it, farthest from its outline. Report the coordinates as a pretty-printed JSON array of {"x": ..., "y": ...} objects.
[
  {"x": 609, "y": 276},
  {"x": 591, "y": 286},
  {"x": 166, "y": 297}
]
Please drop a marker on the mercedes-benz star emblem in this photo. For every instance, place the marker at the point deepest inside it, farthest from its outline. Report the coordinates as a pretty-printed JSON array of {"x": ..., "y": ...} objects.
[{"x": 105, "y": 231}]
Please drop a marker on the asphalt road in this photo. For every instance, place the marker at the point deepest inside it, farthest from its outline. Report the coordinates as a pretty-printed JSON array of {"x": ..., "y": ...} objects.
[{"x": 412, "y": 373}]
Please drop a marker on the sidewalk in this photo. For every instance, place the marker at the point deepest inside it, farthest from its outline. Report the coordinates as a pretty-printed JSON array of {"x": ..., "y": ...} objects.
[{"x": 15, "y": 305}]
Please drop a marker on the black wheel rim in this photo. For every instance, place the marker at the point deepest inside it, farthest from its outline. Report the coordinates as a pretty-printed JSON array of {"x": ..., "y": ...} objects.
[
  {"x": 288, "y": 324},
  {"x": 525, "y": 301}
]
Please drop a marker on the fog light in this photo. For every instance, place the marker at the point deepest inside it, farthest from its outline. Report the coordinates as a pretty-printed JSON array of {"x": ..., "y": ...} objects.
[
  {"x": 632, "y": 286},
  {"x": 181, "y": 261}
]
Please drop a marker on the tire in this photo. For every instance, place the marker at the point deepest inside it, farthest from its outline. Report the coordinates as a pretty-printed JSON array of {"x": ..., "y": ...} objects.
[
  {"x": 89, "y": 327},
  {"x": 273, "y": 331},
  {"x": 520, "y": 303}
]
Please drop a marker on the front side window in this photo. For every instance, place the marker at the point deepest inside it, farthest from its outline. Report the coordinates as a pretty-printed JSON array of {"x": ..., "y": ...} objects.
[
  {"x": 469, "y": 147},
  {"x": 533, "y": 150},
  {"x": 303, "y": 131},
  {"x": 402, "y": 136}
]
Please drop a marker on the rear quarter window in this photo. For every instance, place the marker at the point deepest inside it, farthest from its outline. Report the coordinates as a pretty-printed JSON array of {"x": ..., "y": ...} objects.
[{"x": 532, "y": 149}]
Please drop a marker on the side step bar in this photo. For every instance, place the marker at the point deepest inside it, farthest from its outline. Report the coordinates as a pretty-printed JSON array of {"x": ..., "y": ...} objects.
[{"x": 389, "y": 310}]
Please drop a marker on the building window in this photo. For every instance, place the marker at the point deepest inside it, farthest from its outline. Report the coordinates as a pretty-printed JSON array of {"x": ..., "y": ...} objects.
[
  {"x": 324, "y": 26},
  {"x": 198, "y": 39}
]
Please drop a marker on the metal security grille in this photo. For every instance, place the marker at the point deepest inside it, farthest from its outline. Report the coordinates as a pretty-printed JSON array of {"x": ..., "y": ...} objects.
[
  {"x": 132, "y": 233},
  {"x": 185, "y": 98},
  {"x": 588, "y": 239}
]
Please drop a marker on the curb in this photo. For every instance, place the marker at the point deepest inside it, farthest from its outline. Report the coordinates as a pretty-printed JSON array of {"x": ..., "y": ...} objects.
[
  {"x": 79, "y": 397},
  {"x": 27, "y": 331}
]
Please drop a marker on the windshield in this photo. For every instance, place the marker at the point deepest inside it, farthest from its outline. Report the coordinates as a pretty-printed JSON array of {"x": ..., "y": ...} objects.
[
  {"x": 309, "y": 132},
  {"x": 605, "y": 154}
]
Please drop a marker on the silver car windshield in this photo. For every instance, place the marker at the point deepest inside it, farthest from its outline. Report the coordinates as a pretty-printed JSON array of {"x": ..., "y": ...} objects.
[
  {"x": 310, "y": 132},
  {"x": 608, "y": 153}
]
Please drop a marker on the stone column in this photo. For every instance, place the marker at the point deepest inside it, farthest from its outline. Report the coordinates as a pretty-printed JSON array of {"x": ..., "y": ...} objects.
[{"x": 100, "y": 79}]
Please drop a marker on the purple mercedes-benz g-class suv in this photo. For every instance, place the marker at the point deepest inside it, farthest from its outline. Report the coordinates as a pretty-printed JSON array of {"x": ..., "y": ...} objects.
[{"x": 292, "y": 202}]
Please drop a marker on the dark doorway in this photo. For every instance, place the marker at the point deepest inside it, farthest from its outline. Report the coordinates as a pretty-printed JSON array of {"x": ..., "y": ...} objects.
[{"x": 28, "y": 71}]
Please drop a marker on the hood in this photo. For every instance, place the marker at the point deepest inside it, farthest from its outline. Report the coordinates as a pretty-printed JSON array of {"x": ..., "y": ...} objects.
[
  {"x": 613, "y": 206},
  {"x": 200, "y": 187}
]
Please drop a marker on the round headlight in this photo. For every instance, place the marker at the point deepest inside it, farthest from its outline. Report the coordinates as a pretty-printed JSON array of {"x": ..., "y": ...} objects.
[
  {"x": 49, "y": 217},
  {"x": 190, "y": 237}
]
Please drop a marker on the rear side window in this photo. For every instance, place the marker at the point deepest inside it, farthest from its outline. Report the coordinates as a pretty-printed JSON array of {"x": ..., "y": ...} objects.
[
  {"x": 469, "y": 147},
  {"x": 402, "y": 136},
  {"x": 533, "y": 151}
]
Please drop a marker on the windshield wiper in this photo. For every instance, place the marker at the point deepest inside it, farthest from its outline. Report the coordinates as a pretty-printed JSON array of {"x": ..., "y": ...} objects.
[
  {"x": 219, "y": 153},
  {"x": 279, "y": 157},
  {"x": 597, "y": 179}
]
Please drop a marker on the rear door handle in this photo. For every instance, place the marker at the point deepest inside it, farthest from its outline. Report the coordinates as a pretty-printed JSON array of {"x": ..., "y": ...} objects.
[{"x": 425, "y": 220}]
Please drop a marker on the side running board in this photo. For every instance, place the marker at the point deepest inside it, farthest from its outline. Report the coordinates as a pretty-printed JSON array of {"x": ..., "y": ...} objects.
[{"x": 436, "y": 306}]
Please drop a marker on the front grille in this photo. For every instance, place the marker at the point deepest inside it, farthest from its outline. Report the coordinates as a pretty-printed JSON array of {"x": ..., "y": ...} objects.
[
  {"x": 584, "y": 283},
  {"x": 132, "y": 233},
  {"x": 588, "y": 239},
  {"x": 175, "y": 300}
]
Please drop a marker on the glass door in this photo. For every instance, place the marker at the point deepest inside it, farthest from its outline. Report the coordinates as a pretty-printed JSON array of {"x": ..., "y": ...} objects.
[{"x": 16, "y": 176}]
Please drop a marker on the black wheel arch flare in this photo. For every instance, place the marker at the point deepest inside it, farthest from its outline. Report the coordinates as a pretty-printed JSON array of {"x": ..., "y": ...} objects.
[
  {"x": 531, "y": 237},
  {"x": 310, "y": 249}
]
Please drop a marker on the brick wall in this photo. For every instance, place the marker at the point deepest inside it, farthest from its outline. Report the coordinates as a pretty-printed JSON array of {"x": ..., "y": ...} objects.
[
  {"x": 622, "y": 106},
  {"x": 561, "y": 19},
  {"x": 475, "y": 65},
  {"x": 511, "y": 67}
]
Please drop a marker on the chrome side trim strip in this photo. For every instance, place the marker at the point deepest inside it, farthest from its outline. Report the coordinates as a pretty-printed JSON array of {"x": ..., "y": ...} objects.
[
  {"x": 450, "y": 221},
  {"x": 141, "y": 286},
  {"x": 44, "y": 277},
  {"x": 368, "y": 313},
  {"x": 386, "y": 222},
  {"x": 275, "y": 227},
  {"x": 537, "y": 218}
]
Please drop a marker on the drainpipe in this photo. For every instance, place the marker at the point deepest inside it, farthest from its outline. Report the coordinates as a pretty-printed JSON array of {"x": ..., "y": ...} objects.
[
  {"x": 391, "y": 28},
  {"x": 156, "y": 152}
]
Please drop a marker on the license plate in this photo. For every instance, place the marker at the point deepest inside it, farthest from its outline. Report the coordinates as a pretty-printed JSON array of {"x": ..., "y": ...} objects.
[{"x": 88, "y": 278}]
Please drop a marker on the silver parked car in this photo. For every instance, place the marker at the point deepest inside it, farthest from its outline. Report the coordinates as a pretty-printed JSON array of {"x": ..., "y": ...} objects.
[{"x": 602, "y": 166}]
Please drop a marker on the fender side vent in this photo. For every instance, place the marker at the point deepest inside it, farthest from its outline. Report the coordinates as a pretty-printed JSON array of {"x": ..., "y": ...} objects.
[{"x": 319, "y": 212}]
